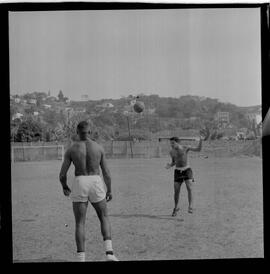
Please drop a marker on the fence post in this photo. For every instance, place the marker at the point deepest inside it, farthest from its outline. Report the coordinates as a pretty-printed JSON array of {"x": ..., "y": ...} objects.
[
  {"x": 23, "y": 152},
  {"x": 148, "y": 149},
  {"x": 62, "y": 152},
  {"x": 112, "y": 149},
  {"x": 159, "y": 150},
  {"x": 126, "y": 146}
]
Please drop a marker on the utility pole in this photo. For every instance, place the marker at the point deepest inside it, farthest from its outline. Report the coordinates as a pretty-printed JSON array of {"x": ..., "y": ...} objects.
[{"x": 130, "y": 141}]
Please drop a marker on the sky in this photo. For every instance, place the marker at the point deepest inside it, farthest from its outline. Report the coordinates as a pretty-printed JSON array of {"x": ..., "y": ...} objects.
[{"x": 113, "y": 53}]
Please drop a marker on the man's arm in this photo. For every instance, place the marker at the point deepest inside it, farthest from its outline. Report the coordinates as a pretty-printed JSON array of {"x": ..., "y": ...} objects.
[
  {"x": 197, "y": 148},
  {"x": 63, "y": 173},
  {"x": 106, "y": 175},
  {"x": 169, "y": 165}
]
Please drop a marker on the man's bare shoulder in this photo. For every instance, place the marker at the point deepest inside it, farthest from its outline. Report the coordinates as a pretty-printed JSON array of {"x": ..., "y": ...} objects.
[
  {"x": 75, "y": 145},
  {"x": 69, "y": 151},
  {"x": 96, "y": 145}
]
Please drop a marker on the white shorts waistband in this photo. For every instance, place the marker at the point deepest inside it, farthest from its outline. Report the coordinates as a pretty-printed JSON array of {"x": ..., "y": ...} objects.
[
  {"x": 182, "y": 168},
  {"x": 88, "y": 176}
]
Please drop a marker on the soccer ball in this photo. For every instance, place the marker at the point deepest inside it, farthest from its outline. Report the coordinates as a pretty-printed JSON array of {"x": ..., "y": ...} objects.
[{"x": 138, "y": 107}]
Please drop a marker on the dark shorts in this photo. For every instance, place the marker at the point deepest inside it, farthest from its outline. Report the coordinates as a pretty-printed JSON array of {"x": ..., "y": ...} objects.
[{"x": 181, "y": 176}]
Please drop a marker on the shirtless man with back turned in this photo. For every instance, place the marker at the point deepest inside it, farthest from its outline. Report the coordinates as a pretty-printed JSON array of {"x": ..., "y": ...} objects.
[{"x": 88, "y": 157}]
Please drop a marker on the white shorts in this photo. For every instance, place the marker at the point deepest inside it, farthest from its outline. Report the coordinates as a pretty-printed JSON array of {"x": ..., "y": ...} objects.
[{"x": 88, "y": 188}]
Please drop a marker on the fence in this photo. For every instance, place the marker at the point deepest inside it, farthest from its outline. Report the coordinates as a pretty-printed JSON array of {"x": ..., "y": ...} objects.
[
  {"x": 126, "y": 149},
  {"x": 123, "y": 149},
  {"x": 113, "y": 149},
  {"x": 37, "y": 153}
]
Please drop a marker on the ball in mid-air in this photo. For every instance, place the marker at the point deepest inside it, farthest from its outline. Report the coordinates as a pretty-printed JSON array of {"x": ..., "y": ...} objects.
[{"x": 138, "y": 107}]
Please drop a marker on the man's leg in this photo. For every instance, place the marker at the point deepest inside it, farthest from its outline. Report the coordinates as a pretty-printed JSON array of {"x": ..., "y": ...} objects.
[
  {"x": 177, "y": 187},
  {"x": 79, "y": 210},
  {"x": 189, "y": 186},
  {"x": 102, "y": 213}
]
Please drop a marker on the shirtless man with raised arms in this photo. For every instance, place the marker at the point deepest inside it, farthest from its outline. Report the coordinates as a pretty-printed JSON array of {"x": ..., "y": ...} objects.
[
  {"x": 88, "y": 157},
  {"x": 182, "y": 172}
]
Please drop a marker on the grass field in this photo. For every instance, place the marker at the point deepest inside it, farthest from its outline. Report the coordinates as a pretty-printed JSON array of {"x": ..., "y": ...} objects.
[{"x": 227, "y": 221}]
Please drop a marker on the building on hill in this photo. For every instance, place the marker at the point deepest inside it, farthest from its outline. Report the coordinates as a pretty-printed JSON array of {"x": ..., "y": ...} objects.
[
  {"x": 79, "y": 110},
  {"x": 84, "y": 97},
  {"x": 17, "y": 116},
  {"x": 23, "y": 102},
  {"x": 150, "y": 111},
  {"x": 32, "y": 101},
  {"x": 47, "y": 106},
  {"x": 17, "y": 100},
  {"x": 105, "y": 105},
  {"x": 51, "y": 99},
  {"x": 223, "y": 119}
]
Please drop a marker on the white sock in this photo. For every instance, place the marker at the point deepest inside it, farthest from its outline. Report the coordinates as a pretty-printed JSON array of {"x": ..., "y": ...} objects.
[
  {"x": 80, "y": 256},
  {"x": 108, "y": 245}
]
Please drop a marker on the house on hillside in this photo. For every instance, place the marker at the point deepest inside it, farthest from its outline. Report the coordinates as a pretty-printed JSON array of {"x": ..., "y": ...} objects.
[
  {"x": 105, "y": 105},
  {"x": 17, "y": 100},
  {"x": 150, "y": 110},
  {"x": 84, "y": 97},
  {"x": 32, "y": 101},
  {"x": 68, "y": 109},
  {"x": 23, "y": 102},
  {"x": 223, "y": 118},
  {"x": 47, "y": 106},
  {"x": 17, "y": 116},
  {"x": 79, "y": 110},
  {"x": 59, "y": 107},
  {"x": 51, "y": 99}
]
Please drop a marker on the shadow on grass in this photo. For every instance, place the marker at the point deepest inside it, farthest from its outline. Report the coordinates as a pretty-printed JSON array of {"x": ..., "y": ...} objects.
[
  {"x": 163, "y": 217},
  {"x": 41, "y": 260}
]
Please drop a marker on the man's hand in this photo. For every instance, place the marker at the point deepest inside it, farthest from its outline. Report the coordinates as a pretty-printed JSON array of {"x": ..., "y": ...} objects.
[
  {"x": 66, "y": 190},
  {"x": 108, "y": 196},
  {"x": 168, "y": 166}
]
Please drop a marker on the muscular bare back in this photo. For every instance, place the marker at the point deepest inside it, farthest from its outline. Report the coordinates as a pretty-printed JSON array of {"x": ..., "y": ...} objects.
[{"x": 86, "y": 156}]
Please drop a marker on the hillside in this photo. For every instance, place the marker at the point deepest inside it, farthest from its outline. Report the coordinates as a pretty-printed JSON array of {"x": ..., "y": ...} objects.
[{"x": 199, "y": 114}]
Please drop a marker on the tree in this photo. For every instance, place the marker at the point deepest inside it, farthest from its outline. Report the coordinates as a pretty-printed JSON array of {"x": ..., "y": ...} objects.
[
  {"x": 208, "y": 129},
  {"x": 14, "y": 126},
  {"x": 52, "y": 118},
  {"x": 29, "y": 131},
  {"x": 70, "y": 127},
  {"x": 60, "y": 96},
  {"x": 13, "y": 110}
]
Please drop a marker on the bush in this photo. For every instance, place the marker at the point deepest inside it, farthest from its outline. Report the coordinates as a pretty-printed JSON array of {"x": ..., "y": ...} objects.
[{"x": 29, "y": 131}]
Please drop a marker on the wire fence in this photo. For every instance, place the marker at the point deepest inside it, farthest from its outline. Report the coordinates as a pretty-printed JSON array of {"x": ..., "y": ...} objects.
[
  {"x": 37, "y": 153},
  {"x": 123, "y": 149},
  {"x": 113, "y": 149}
]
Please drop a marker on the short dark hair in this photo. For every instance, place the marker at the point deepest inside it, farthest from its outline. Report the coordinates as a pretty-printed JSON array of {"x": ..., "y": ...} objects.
[
  {"x": 176, "y": 139},
  {"x": 82, "y": 125}
]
